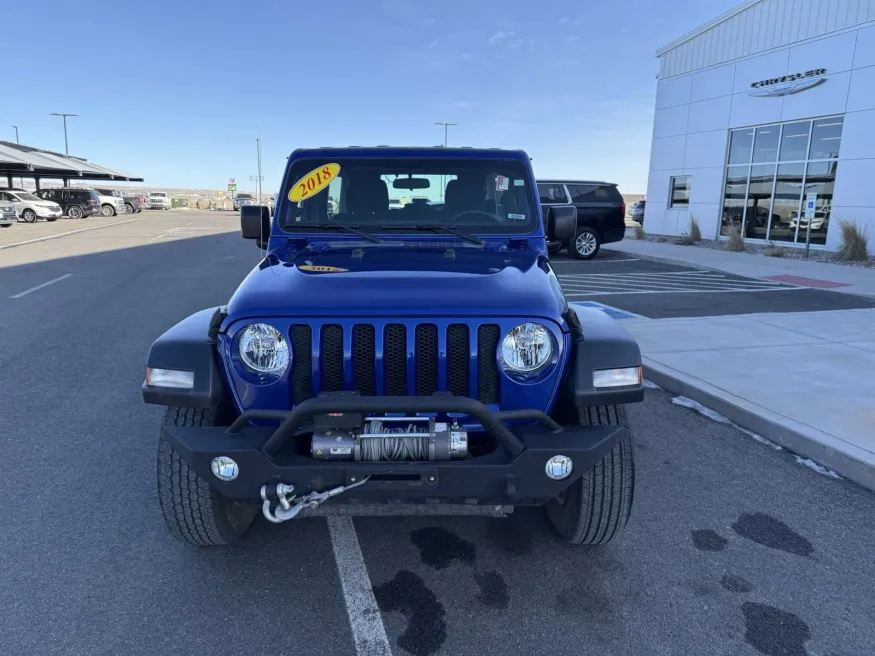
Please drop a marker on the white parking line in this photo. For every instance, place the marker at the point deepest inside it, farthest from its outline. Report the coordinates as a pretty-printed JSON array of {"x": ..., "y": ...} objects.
[
  {"x": 368, "y": 631},
  {"x": 38, "y": 287},
  {"x": 681, "y": 291},
  {"x": 64, "y": 234}
]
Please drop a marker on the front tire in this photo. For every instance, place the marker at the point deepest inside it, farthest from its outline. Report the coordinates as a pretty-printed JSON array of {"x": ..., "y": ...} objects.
[
  {"x": 595, "y": 509},
  {"x": 107, "y": 210},
  {"x": 29, "y": 216},
  {"x": 585, "y": 245},
  {"x": 129, "y": 209},
  {"x": 75, "y": 212},
  {"x": 193, "y": 510}
]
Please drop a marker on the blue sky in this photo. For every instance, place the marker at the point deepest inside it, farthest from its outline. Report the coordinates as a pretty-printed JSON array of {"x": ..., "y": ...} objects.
[{"x": 178, "y": 91}]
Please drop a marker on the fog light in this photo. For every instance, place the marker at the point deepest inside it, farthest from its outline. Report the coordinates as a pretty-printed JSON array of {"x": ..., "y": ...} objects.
[
  {"x": 169, "y": 378},
  {"x": 224, "y": 468},
  {"x": 616, "y": 377},
  {"x": 559, "y": 467}
]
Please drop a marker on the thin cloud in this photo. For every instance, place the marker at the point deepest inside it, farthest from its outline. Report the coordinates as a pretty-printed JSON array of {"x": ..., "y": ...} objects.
[
  {"x": 499, "y": 37},
  {"x": 579, "y": 19},
  {"x": 563, "y": 21},
  {"x": 572, "y": 39},
  {"x": 433, "y": 45},
  {"x": 516, "y": 43}
]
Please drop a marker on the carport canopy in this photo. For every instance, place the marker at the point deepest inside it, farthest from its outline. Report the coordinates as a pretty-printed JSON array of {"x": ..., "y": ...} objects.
[{"x": 18, "y": 160}]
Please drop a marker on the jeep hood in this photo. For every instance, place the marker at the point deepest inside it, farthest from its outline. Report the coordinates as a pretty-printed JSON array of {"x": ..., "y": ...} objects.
[{"x": 400, "y": 281}]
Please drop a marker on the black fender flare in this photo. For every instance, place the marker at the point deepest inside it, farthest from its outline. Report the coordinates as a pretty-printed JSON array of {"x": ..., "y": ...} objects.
[
  {"x": 190, "y": 345},
  {"x": 598, "y": 341}
]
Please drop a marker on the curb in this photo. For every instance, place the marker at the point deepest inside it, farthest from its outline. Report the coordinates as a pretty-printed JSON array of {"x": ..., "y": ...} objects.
[{"x": 847, "y": 460}]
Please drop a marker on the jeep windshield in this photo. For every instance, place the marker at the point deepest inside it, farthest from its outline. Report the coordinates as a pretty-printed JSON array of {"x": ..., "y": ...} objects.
[{"x": 405, "y": 195}]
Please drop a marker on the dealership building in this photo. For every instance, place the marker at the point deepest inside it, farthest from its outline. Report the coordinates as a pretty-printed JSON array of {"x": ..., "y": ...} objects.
[{"x": 765, "y": 121}]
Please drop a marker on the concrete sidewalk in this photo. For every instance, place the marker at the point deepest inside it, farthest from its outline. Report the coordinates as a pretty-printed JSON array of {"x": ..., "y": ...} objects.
[
  {"x": 837, "y": 277},
  {"x": 802, "y": 380}
]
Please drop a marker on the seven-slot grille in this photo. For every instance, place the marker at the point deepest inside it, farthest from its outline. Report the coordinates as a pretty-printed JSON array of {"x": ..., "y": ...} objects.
[{"x": 395, "y": 360}]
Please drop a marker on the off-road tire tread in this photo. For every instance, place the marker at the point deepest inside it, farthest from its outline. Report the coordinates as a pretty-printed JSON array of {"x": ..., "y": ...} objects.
[
  {"x": 607, "y": 490},
  {"x": 192, "y": 509}
]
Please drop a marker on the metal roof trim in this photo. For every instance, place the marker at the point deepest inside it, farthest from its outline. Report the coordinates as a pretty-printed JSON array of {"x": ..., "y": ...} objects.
[{"x": 722, "y": 18}]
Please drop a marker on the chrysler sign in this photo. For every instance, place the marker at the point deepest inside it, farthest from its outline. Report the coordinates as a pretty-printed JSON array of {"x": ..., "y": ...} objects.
[{"x": 783, "y": 86}]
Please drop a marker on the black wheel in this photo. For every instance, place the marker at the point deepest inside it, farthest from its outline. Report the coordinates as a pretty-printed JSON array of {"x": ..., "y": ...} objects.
[
  {"x": 74, "y": 212},
  {"x": 107, "y": 210},
  {"x": 596, "y": 508},
  {"x": 29, "y": 216},
  {"x": 193, "y": 510},
  {"x": 585, "y": 245},
  {"x": 5, "y": 225},
  {"x": 554, "y": 250},
  {"x": 129, "y": 209}
]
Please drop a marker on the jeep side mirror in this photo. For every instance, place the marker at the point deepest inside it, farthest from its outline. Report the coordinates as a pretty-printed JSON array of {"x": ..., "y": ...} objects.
[
  {"x": 255, "y": 222},
  {"x": 561, "y": 222}
]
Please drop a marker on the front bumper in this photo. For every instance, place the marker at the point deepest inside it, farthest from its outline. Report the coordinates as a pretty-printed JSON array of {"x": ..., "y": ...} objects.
[
  {"x": 513, "y": 474},
  {"x": 49, "y": 214}
]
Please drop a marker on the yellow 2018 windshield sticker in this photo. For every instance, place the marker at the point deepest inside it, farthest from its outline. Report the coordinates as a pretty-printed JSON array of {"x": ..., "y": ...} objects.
[
  {"x": 321, "y": 268},
  {"x": 314, "y": 182}
]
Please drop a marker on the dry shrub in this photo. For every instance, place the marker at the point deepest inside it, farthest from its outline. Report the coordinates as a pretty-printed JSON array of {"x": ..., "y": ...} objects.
[
  {"x": 773, "y": 251},
  {"x": 684, "y": 240},
  {"x": 735, "y": 241},
  {"x": 639, "y": 231},
  {"x": 695, "y": 233},
  {"x": 854, "y": 240}
]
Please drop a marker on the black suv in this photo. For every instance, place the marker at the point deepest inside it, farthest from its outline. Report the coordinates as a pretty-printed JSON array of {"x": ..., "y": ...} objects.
[
  {"x": 601, "y": 214},
  {"x": 76, "y": 203}
]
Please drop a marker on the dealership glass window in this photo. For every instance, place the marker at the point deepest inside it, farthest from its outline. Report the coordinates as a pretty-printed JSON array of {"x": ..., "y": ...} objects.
[
  {"x": 740, "y": 143},
  {"x": 794, "y": 141},
  {"x": 680, "y": 191},
  {"x": 759, "y": 201},
  {"x": 733, "y": 197},
  {"x": 765, "y": 146},
  {"x": 826, "y": 138},
  {"x": 788, "y": 199},
  {"x": 819, "y": 180},
  {"x": 768, "y": 202}
]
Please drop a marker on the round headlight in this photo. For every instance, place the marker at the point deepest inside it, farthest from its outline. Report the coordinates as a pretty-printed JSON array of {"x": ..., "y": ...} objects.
[
  {"x": 526, "y": 348},
  {"x": 263, "y": 349}
]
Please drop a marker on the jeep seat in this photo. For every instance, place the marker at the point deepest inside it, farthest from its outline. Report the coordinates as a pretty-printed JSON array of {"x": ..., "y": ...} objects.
[{"x": 367, "y": 197}]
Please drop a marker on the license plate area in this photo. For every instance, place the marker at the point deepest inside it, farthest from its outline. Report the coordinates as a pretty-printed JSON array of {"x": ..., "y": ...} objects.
[{"x": 393, "y": 477}]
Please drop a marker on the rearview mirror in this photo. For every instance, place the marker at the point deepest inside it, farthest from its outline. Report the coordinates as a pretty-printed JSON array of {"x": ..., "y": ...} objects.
[
  {"x": 411, "y": 183},
  {"x": 255, "y": 222},
  {"x": 561, "y": 222}
]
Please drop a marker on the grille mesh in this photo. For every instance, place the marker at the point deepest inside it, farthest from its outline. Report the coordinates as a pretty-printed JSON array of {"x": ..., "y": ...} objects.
[
  {"x": 302, "y": 372},
  {"x": 363, "y": 359},
  {"x": 487, "y": 369},
  {"x": 332, "y": 358},
  {"x": 395, "y": 360},
  {"x": 458, "y": 359},
  {"x": 426, "y": 359}
]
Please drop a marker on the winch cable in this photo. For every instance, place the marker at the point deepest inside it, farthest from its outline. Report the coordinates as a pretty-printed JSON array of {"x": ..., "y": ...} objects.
[{"x": 397, "y": 443}]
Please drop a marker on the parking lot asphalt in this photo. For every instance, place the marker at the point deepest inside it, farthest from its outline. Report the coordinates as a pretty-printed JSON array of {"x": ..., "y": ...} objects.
[
  {"x": 732, "y": 548},
  {"x": 658, "y": 290}
]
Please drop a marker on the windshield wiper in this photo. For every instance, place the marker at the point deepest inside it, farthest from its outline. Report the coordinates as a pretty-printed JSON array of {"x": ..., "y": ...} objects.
[
  {"x": 448, "y": 230},
  {"x": 352, "y": 229}
]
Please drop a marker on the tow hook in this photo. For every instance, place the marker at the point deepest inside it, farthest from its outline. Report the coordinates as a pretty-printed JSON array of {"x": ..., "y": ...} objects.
[{"x": 288, "y": 508}]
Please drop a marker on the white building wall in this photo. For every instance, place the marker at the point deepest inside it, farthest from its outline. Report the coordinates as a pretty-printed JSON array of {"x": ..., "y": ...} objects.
[{"x": 696, "y": 110}]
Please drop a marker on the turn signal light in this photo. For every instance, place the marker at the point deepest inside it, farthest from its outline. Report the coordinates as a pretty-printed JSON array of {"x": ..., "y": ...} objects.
[
  {"x": 625, "y": 377},
  {"x": 171, "y": 378}
]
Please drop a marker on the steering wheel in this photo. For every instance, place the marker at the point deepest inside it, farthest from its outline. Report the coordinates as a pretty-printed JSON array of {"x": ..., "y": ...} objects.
[{"x": 489, "y": 214}]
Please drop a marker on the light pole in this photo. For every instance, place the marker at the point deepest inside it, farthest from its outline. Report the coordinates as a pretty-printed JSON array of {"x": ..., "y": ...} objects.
[
  {"x": 446, "y": 130},
  {"x": 258, "y": 150},
  {"x": 16, "y": 134},
  {"x": 446, "y": 133},
  {"x": 64, "y": 116}
]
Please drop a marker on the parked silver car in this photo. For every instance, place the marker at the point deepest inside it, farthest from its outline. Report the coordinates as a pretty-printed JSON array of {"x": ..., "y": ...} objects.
[
  {"x": 637, "y": 211},
  {"x": 7, "y": 216}
]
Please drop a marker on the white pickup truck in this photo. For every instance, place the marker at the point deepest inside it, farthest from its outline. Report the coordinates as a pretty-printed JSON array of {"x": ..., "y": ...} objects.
[{"x": 159, "y": 200}]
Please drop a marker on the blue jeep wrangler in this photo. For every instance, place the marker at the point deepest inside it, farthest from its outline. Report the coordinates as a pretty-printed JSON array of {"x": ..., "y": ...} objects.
[{"x": 407, "y": 357}]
